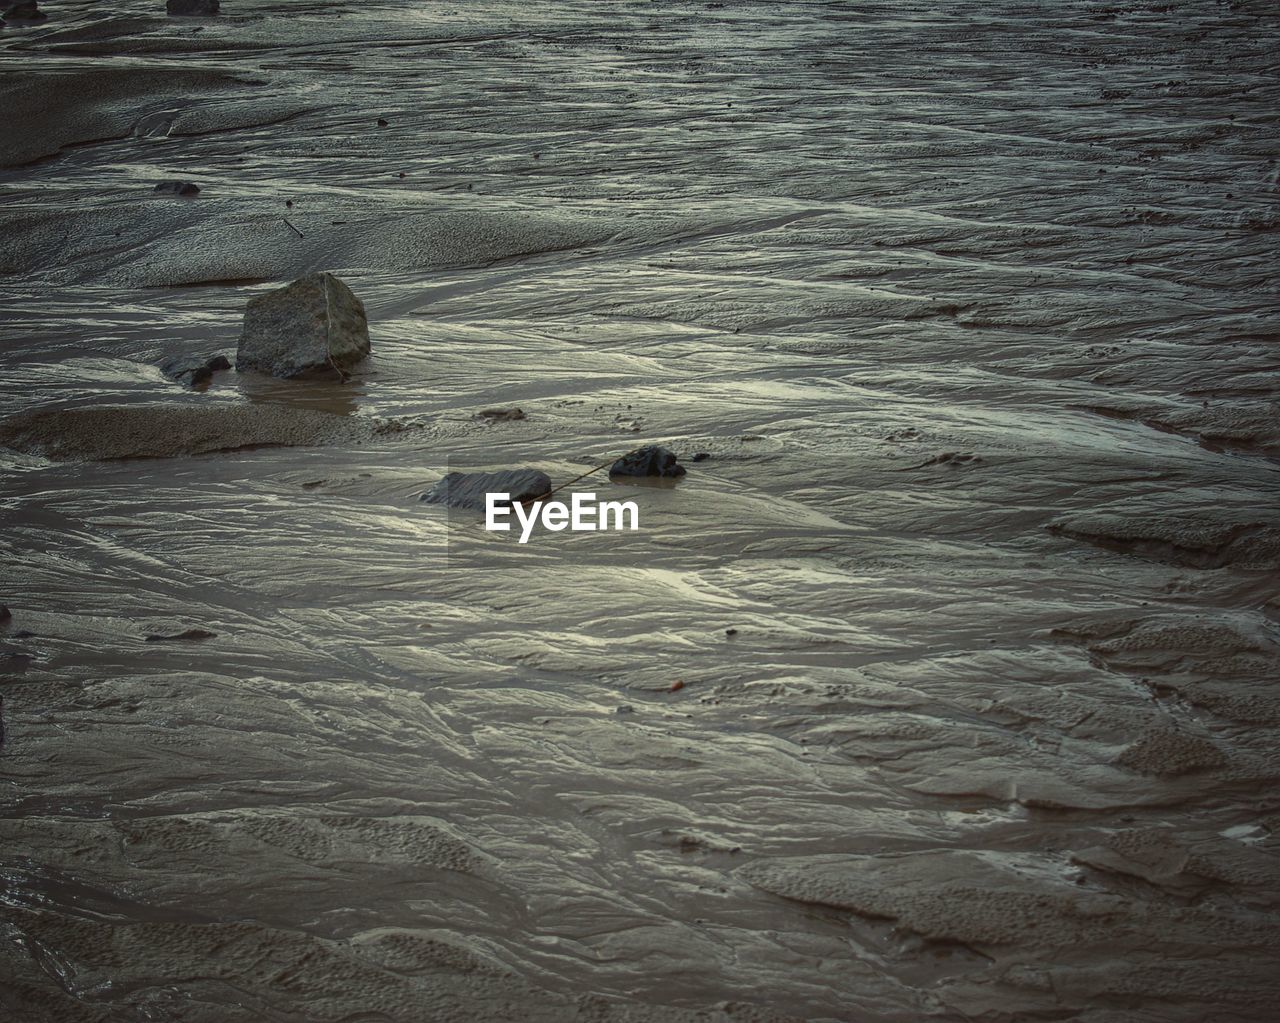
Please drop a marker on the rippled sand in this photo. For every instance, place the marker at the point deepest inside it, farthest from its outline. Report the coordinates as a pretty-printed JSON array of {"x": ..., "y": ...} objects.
[{"x": 973, "y": 307}]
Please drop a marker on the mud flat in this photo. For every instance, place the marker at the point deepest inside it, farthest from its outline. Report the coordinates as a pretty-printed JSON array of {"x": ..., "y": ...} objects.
[
  {"x": 942, "y": 687},
  {"x": 168, "y": 431}
]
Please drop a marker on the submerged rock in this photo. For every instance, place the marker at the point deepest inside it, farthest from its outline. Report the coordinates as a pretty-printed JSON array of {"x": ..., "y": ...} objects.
[
  {"x": 192, "y": 8},
  {"x": 470, "y": 489},
  {"x": 26, "y": 10},
  {"x": 177, "y": 188},
  {"x": 315, "y": 324},
  {"x": 192, "y": 371},
  {"x": 648, "y": 461}
]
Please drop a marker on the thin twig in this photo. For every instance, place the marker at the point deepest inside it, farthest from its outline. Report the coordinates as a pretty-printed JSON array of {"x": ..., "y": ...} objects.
[
  {"x": 604, "y": 465},
  {"x": 292, "y": 228}
]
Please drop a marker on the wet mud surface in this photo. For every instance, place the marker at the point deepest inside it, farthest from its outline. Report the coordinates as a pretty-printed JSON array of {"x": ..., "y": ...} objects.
[{"x": 944, "y": 687}]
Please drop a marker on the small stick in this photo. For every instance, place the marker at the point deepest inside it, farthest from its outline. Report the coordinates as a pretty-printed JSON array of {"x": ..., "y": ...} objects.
[
  {"x": 292, "y": 228},
  {"x": 555, "y": 490}
]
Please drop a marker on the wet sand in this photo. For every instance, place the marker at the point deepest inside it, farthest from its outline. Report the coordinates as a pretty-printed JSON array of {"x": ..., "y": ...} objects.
[{"x": 945, "y": 688}]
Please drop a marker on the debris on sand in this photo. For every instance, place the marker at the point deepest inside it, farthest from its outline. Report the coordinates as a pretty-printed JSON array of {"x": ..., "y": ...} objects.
[
  {"x": 191, "y": 8},
  {"x": 648, "y": 461},
  {"x": 192, "y": 634},
  {"x": 314, "y": 324},
  {"x": 470, "y": 489},
  {"x": 5, "y": 614},
  {"x": 177, "y": 188},
  {"x": 192, "y": 371}
]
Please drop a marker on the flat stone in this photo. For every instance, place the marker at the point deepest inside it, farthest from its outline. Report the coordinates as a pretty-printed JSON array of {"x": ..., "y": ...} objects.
[
  {"x": 316, "y": 324},
  {"x": 470, "y": 489}
]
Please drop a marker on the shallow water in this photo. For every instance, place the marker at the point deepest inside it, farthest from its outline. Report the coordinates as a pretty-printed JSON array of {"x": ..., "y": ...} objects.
[{"x": 995, "y": 737}]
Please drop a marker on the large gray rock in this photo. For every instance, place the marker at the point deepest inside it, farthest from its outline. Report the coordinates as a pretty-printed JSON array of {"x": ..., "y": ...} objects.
[
  {"x": 469, "y": 489},
  {"x": 315, "y": 324},
  {"x": 192, "y": 8}
]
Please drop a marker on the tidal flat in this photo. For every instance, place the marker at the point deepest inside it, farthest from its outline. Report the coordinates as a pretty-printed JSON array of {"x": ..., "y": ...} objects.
[{"x": 944, "y": 686}]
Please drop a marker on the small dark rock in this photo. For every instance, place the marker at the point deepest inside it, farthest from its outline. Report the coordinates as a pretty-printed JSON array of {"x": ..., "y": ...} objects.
[
  {"x": 189, "y": 634},
  {"x": 25, "y": 10},
  {"x": 383, "y": 122},
  {"x": 702, "y": 456},
  {"x": 470, "y": 489},
  {"x": 648, "y": 461},
  {"x": 24, "y": 634},
  {"x": 626, "y": 708},
  {"x": 192, "y": 8},
  {"x": 5, "y": 614},
  {"x": 178, "y": 188},
  {"x": 730, "y": 632},
  {"x": 193, "y": 372}
]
